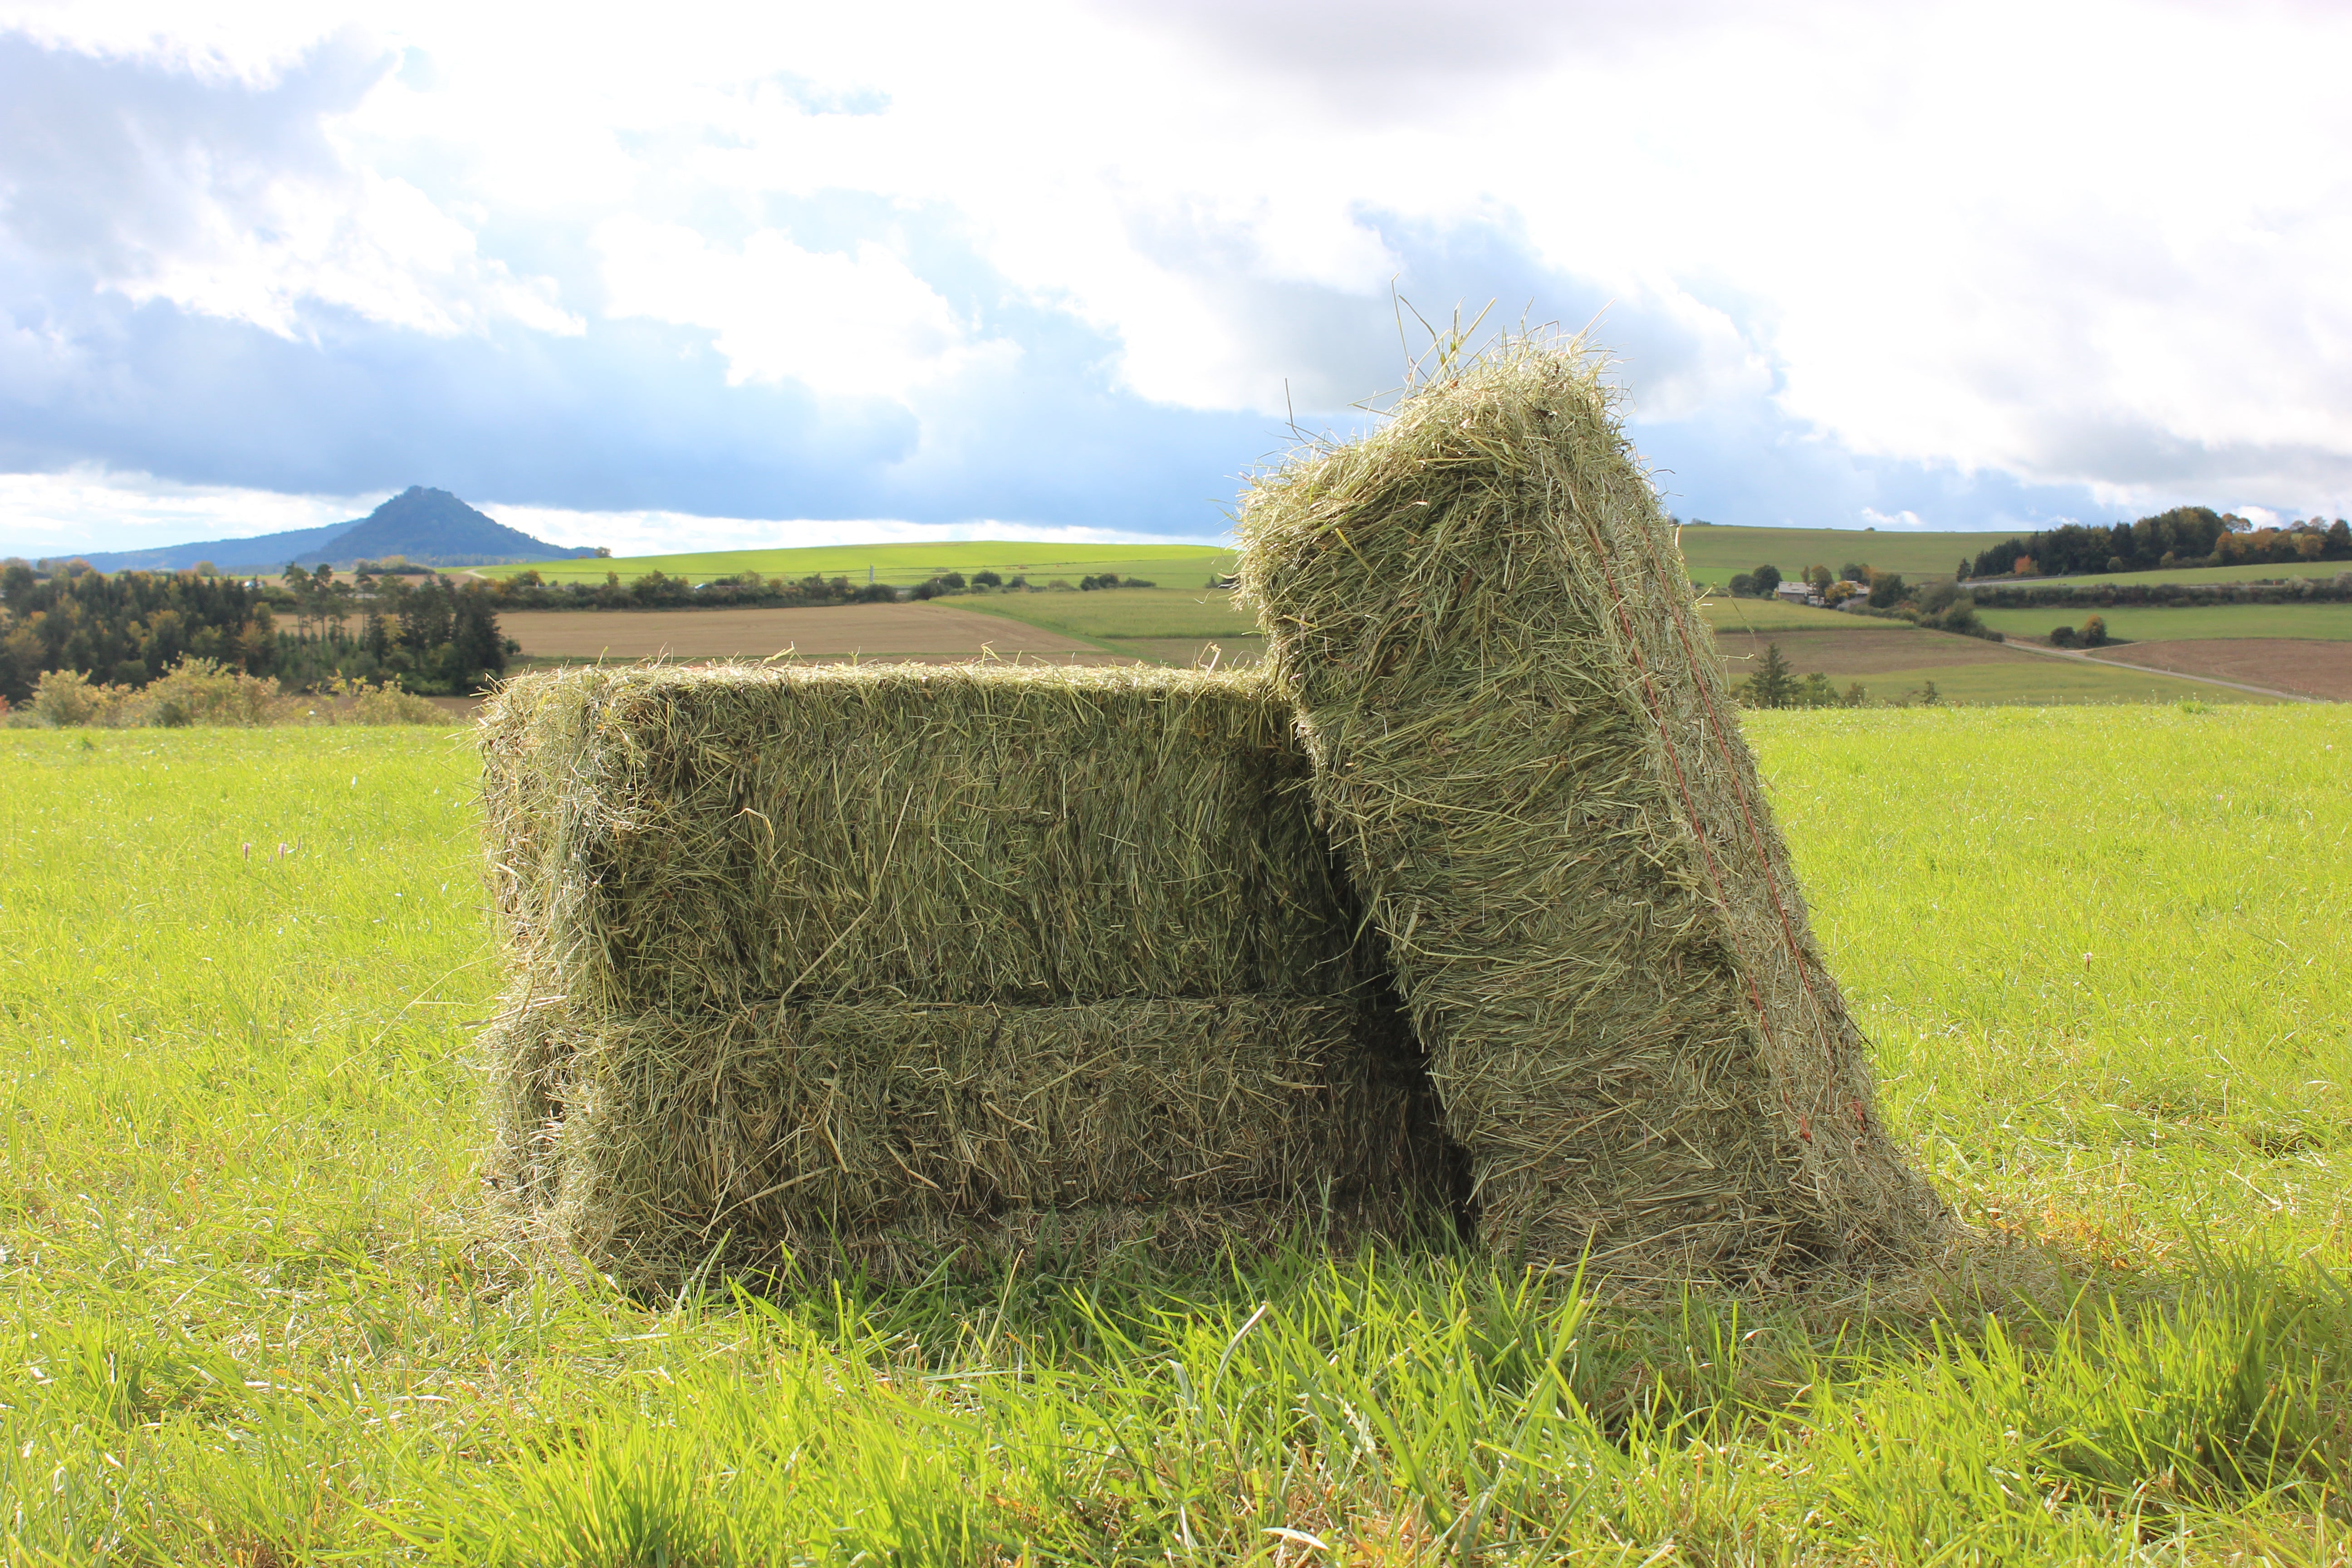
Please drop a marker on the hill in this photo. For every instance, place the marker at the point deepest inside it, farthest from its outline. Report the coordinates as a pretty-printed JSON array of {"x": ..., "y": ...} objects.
[
  {"x": 434, "y": 528},
  {"x": 429, "y": 527}
]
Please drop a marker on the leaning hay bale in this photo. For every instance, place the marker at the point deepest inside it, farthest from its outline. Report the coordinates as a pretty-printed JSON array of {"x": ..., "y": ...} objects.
[
  {"x": 679, "y": 839},
  {"x": 851, "y": 1132},
  {"x": 1525, "y": 748}
]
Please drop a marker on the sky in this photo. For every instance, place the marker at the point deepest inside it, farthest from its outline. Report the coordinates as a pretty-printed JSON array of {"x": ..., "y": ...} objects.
[{"x": 702, "y": 277}]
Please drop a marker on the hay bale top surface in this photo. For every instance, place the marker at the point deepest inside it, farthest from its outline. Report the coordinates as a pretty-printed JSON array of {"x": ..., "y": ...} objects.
[{"x": 709, "y": 838}]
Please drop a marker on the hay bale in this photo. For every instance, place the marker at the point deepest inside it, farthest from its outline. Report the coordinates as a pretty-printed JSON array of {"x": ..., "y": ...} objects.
[
  {"x": 1526, "y": 750},
  {"x": 875, "y": 967},
  {"x": 879, "y": 1133},
  {"x": 670, "y": 839}
]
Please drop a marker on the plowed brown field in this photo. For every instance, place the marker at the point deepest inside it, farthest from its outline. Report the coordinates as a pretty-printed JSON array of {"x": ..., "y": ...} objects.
[
  {"x": 2288, "y": 664},
  {"x": 924, "y": 632}
]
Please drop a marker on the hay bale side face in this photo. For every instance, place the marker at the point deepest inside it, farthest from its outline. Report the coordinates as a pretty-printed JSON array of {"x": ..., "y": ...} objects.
[
  {"x": 801, "y": 1129},
  {"x": 1527, "y": 752},
  {"x": 708, "y": 839}
]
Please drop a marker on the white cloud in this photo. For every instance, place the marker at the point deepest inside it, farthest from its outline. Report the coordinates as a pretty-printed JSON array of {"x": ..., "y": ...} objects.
[
  {"x": 670, "y": 532},
  {"x": 2098, "y": 244},
  {"x": 376, "y": 246},
  {"x": 856, "y": 325},
  {"x": 92, "y": 509}
]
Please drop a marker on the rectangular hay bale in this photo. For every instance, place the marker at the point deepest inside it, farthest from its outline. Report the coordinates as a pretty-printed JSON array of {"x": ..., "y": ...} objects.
[
  {"x": 1525, "y": 748},
  {"x": 679, "y": 839},
  {"x": 644, "y": 1142}
]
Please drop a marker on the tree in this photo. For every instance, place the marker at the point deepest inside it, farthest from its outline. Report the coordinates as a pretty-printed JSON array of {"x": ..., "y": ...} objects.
[
  {"x": 2062, "y": 636},
  {"x": 1887, "y": 589},
  {"x": 1931, "y": 696},
  {"x": 2094, "y": 632},
  {"x": 1816, "y": 692},
  {"x": 1743, "y": 585},
  {"x": 2339, "y": 538},
  {"x": 1854, "y": 572},
  {"x": 1772, "y": 686},
  {"x": 1857, "y": 695},
  {"x": 1817, "y": 579},
  {"x": 986, "y": 579},
  {"x": 1767, "y": 580}
]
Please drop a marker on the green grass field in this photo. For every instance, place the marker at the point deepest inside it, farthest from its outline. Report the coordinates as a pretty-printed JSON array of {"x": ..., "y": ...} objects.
[
  {"x": 2331, "y": 622},
  {"x": 1172, "y": 566},
  {"x": 2045, "y": 682},
  {"x": 1714, "y": 555},
  {"x": 254, "y": 1313}
]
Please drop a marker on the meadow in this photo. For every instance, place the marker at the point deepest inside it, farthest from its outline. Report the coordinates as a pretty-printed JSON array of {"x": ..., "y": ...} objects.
[
  {"x": 2330, "y": 623},
  {"x": 254, "y": 1308},
  {"x": 2264, "y": 572}
]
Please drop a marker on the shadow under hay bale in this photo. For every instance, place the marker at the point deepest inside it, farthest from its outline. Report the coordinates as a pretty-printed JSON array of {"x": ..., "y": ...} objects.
[
  {"x": 1526, "y": 751},
  {"x": 826, "y": 968}
]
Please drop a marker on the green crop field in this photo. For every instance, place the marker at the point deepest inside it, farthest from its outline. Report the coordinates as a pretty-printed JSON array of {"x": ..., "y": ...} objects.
[
  {"x": 1715, "y": 553},
  {"x": 2038, "y": 681},
  {"x": 252, "y": 1310},
  {"x": 2327, "y": 623},
  {"x": 1174, "y": 565}
]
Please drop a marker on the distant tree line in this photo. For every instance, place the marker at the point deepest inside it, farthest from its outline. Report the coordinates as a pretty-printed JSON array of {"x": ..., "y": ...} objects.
[
  {"x": 657, "y": 591},
  {"x": 311, "y": 630},
  {"x": 2185, "y": 536},
  {"x": 2105, "y": 595}
]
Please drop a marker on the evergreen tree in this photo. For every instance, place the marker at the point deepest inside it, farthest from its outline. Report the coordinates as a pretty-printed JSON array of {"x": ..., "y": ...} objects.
[{"x": 1772, "y": 685}]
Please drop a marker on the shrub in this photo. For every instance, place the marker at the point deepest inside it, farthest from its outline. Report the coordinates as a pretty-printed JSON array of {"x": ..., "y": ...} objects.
[
  {"x": 2094, "y": 632},
  {"x": 953, "y": 582},
  {"x": 2062, "y": 636},
  {"x": 388, "y": 705},
  {"x": 986, "y": 579},
  {"x": 66, "y": 696}
]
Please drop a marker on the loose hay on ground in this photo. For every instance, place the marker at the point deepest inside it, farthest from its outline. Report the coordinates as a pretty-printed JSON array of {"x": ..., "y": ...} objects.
[{"x": 1524, "y": 745}]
